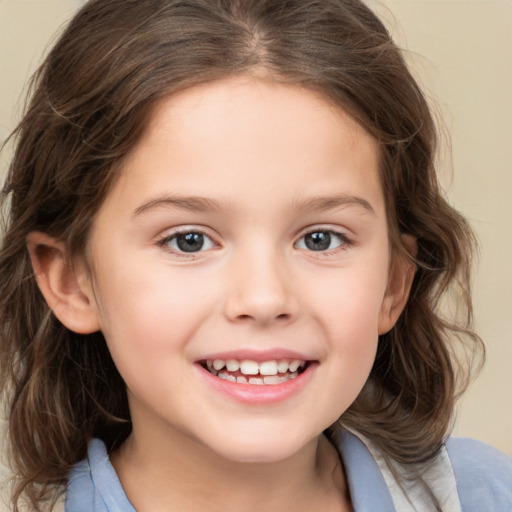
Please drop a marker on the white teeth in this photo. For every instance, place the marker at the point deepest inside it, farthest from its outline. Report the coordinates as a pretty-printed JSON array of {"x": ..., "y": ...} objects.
[
  {"x": 226, "y": 376},
  {"x": 267, "y": 372},
  {"x": 282, "y": 366},
  {"x": 275, "y": 379},
  {"x": 294, "y": 365},
  {"x": 232, "y": 365},
  {"x": 218, "y": 364},
  {"x": 268, "y": 368},
  {"x": 249, "y": 367}
]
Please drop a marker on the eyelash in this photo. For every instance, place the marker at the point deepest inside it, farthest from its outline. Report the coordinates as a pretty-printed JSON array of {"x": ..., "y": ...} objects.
[
  {"x": 344, "y": 241},
  {"x": 173, "y": 239}
]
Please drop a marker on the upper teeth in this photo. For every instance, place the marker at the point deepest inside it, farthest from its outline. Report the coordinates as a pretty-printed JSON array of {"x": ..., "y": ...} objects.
[{"x": 249, "y": 367}]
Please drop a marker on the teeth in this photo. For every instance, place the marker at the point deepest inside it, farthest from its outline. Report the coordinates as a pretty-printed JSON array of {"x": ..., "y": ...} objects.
[
  {"x": 282, "y": 366},
  {"x": 294, "y": 365},
  {"x": 218, "y": 364},
  {"x": 268, "y": 368},
  {"x": 249, "y": 367},
  {"x": 275, "y": 379},
  {"x": 232, "y": 365},
  {"x": 226, "y": 376},
  {"x": 267, "y": 372}
]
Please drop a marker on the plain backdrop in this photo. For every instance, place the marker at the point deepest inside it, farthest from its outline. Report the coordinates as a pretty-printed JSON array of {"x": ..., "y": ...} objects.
[{"x": 461, "y": 51}]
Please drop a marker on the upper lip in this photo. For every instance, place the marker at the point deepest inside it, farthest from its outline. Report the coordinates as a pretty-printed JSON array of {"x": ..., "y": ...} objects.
[{"x": 258, "y": 355}]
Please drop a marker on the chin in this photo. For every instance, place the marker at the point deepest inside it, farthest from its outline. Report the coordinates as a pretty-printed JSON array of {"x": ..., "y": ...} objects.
[{"x": 251, "y": 448}]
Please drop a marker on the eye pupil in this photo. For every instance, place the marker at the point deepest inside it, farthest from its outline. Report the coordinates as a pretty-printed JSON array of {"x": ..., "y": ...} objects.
[
  {"x": 318, "y": 241},
  {"x": 190, "y": 242}
]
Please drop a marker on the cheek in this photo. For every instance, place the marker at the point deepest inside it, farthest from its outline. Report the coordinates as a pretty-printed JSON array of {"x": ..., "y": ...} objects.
[
  {"x": 347, "y": 311},
  {"x": 350, "y": 301},
  {"x": 146, "y": 316}
]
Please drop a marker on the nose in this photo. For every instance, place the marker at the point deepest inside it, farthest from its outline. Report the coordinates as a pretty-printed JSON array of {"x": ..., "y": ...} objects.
[{"x": 261, "y": 290}]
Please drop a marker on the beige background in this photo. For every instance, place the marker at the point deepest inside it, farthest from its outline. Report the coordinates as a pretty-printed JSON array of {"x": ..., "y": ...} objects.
[{"x": 462, "y": 52}]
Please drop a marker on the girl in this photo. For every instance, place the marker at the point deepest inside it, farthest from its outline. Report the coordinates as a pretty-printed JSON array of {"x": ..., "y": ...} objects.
[{"x": 224, "y": 250}]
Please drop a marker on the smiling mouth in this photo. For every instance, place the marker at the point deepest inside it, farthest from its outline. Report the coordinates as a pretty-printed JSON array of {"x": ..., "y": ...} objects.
[{"x": 246, "y": 371}]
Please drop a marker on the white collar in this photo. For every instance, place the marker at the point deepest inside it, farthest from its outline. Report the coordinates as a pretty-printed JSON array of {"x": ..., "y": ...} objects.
[{"x": 417, "y": 483}]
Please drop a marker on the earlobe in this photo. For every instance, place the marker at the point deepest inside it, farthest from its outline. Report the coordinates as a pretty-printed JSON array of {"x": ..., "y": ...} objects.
[
  {"x": 399, "y": 286},
  {"x": 66, "y": 289}
]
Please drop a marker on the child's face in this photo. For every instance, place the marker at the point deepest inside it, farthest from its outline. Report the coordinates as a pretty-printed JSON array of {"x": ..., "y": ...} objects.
[{"x": 248, "y": 224}]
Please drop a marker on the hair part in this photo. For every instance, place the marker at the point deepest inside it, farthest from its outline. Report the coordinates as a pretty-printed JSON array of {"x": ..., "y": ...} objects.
[{"x": 90, "y": 103}]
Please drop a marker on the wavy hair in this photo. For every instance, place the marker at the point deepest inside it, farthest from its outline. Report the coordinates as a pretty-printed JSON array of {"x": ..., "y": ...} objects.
[{"x": 89, "y": 104}]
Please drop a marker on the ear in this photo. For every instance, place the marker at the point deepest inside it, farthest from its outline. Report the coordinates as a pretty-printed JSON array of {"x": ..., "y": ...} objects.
[
  {"x": 67, "y": 289},
  {"x": 401, "y": 276}
]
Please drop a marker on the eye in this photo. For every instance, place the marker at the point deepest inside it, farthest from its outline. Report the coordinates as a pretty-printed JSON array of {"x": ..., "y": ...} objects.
[
  {"x": 188, "y": 242},
  {"x": 321, "y": 240}
]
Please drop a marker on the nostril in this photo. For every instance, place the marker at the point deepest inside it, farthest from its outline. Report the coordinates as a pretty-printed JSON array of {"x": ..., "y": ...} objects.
[
  {"x": 280, "y": 317},
  {"x": 260, "y": 307}
]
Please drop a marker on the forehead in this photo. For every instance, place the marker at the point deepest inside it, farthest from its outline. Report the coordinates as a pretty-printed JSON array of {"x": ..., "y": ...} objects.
[
  {"x": 239, "y": 133},
  {"x": 246, "y": 104}
]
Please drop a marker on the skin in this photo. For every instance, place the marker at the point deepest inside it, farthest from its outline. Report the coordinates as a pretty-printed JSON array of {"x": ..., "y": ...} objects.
[{"x": 271, "y": 163}]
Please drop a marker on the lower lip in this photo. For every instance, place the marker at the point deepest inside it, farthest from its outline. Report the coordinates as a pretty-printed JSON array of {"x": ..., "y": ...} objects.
[{"x": 255, "y": 394}]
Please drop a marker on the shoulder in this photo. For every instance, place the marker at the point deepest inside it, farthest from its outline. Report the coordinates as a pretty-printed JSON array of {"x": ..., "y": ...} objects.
[
  {"x": 483, "y": 475},
  {"x": 465, "y": 476},
  {"x": 93, "y": 485},
  {"x": 81, "y": 491}
]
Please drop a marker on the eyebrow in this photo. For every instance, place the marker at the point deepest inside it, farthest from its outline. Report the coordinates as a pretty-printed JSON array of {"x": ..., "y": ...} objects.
[
  {"x": 321, "y": 203},
  {"x": 197, "y": 204},
  {"x": 203, "y": 204}
]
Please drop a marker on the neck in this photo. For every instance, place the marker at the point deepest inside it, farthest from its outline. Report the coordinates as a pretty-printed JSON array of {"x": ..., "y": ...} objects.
[{"x": 156, "y": 471}]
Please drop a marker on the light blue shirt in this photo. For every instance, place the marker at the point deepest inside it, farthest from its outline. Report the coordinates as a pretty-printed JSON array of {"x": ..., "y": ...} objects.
[{"x": 482, "y": 476}]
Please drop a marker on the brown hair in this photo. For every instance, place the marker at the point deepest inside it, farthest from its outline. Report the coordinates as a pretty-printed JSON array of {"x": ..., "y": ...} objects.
[{"x": 90, "y": 103}]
